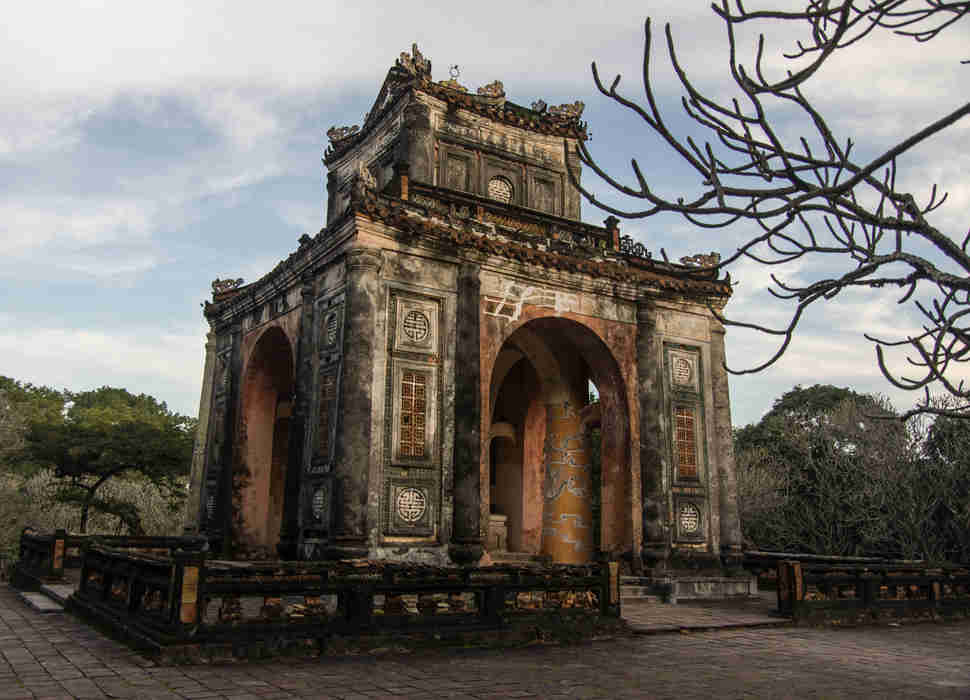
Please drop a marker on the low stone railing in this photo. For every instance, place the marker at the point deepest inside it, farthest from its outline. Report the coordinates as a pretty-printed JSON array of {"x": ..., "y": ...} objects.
[
  {"x": 819, "y": 592},
  {"x": 40, "y": 559},
  {"x": 43, "y": 558},
  {"x": 187, "y": 606}
]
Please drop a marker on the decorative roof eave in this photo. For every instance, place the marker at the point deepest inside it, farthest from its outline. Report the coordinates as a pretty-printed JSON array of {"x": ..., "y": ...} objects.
[
  {"x": 564, "y": 122},
  {"x": 391, "y": 212},
  {"x": 413, "y": 71}
]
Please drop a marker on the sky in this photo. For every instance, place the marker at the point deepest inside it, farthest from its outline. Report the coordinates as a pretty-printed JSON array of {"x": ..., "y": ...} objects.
[{"x": 149, "y": 148}]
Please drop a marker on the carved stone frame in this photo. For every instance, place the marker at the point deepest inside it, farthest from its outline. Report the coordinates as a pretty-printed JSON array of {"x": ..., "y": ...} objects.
[{"x": 396, "y": 524}]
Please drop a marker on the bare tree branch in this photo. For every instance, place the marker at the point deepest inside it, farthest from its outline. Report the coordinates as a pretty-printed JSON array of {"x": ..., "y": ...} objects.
[{"x": 811, "y": 199}]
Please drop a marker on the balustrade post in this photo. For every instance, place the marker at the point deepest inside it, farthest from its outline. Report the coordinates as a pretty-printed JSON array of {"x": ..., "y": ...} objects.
[
  {"x": 57, "y": 554},
  {"x": 187, "y": 575},
  {"x": 493, "y": 604}
]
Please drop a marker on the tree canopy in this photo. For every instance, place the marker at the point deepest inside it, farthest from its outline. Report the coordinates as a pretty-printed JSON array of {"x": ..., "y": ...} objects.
[
  {"x": 823, "y": 472},
  {"x": 104, "y": 433}
]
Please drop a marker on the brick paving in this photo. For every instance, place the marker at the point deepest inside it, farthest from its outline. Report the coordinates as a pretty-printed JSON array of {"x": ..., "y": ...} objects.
[
  {"x": 653, "y": 618},
  {"x": 55, "y": 656}
]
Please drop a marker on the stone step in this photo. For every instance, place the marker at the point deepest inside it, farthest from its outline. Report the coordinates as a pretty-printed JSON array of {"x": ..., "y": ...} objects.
[
  {"x": 40, "y": 602},
  {"x": 641, "y": 598},
  {"x": 58, "y": 592},
  {"x": 627, "y": 590},
  {"x": 517, "y": 558}
]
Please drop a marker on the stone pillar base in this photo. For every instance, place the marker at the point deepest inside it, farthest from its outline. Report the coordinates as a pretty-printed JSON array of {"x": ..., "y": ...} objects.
[
  {"x": 655, "y": 556},
  {"x": 346, "y": 548},
  {"x": 732, "y": 557},
  {"x": 466, "y": 553}
]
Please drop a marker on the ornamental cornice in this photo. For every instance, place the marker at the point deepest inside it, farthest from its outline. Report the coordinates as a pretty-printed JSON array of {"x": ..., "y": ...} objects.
[{"x": 464, "y": 234}]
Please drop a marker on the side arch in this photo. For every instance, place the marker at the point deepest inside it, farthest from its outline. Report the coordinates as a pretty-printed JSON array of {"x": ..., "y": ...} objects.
[{"x": 259, "y": 476}]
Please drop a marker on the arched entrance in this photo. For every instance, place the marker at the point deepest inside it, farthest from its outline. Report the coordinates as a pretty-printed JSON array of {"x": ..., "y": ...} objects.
[
  {"x": 258, "y": 484},
  {"x": 539, "y": 484}
]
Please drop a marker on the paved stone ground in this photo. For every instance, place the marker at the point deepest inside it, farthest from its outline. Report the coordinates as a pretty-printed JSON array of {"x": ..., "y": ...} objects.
[
  {"x": 55, "y": 656},
  {"x": 653, "y": 618}
]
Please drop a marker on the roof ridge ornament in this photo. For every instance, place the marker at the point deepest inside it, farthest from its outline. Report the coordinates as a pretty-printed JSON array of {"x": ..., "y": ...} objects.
[
  {"x": 568, "y": 112},
  {"x": 493, "y": 89},
  {"x": 341, "y": 133},
  {"x": 221, "y": 286},
  {"x": 415, "y": 64},
  {"x": 701, "y": 259},
  {"x": 452, "y": 82}
]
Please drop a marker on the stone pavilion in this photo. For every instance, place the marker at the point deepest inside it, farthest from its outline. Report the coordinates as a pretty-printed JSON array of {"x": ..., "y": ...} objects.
[{"x": 457, "y": 369}]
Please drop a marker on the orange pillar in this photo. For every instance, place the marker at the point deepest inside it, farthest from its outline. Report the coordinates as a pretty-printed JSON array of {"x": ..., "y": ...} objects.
[{"x": 567, "y": 533}]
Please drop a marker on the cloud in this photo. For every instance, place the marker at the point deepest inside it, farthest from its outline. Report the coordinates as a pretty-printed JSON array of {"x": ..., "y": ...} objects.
[{"x": 166, "y": 364}]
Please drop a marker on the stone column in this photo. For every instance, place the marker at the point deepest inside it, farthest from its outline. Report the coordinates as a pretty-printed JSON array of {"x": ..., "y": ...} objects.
[
  {"x": 567, "y": 514},
  {"x": 724, "y": 447},
  {"x": 656, "y": 547},
  {"x": 299, "y": 420},
  {"x": 221, "y": 535},
  {"x": 193, "y": 507},
  {"x": 466, "y": 540},
  {"x": 354, "y": 431}
]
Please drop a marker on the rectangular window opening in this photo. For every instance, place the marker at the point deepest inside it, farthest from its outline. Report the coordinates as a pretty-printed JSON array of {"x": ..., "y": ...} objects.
[
  {"x": 412, "y": 426},
  {"x": 685, "y": 442}
]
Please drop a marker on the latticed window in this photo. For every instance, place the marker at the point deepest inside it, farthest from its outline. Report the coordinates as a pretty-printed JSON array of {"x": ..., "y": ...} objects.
[
  {"x": 500, "y": 189},
  {"x": 328, "y": 393},
  {"x": 685, "y": 441},
  {"x": 412, "y": 414}
]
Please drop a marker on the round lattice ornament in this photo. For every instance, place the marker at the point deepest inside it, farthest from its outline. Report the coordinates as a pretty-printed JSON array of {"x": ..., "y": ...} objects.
[
  {"x": 318, "y": 505},
  {"x": 500, "y": 189},
  {"x": 689, "y": 517},
  {"x": 416, "y": 325},
  {"x": 682, "y": 370},
  {"x": 411, "y": 505}
]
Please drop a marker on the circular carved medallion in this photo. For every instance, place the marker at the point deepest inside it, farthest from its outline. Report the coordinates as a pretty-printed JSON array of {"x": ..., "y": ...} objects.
[
  {"x": 416, "y": 325},
  {"x": 682, "y": 370},
  {"x": 500, "y": 189},
  {"x": 319, "y": 503},
  {"x": 690, "y": 518},
  {"x": 411, "y": 505}
]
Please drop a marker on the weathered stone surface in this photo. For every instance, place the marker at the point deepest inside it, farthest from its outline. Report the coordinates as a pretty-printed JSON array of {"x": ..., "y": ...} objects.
[{"x": 464, "y": 298}]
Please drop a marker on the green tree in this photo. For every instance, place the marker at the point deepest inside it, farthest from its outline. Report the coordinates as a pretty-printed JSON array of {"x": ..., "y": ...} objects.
[
  {"x": 108, "y": 433},
  {"x": 830, "y": 471},
  {"x": 947, "y": 449},
  {"x": 23, "y": 403}
]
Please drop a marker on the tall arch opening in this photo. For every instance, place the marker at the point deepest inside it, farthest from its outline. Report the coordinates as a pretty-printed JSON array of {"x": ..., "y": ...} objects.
[
  {"x": 558, "y": 461},
  {"x": 258, "y": 483}
]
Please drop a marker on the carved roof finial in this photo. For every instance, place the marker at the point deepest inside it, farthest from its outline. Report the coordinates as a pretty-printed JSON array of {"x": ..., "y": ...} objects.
[
  {"x": 339, "y": 133},
  {"x": 493, "y": 89},
  {"x": 568, "y": 112},
  {"x": 701, "y": 259},
  {"x": 415, "y": 64},
  {"x": 220, "y": 286}
]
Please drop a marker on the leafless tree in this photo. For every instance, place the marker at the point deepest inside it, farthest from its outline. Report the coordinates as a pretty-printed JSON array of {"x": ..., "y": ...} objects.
[{"x": 811, "y": 199}]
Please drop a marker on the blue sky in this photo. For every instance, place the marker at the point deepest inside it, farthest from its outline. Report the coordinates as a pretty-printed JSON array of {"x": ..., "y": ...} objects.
[{"x": 146, "y": 149}]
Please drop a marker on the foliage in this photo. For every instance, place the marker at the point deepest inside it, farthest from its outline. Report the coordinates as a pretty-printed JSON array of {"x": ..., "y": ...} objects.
[
  {"x": 825, "y": 472},
  {"x": 33, "y": 500},
  {"x": 809, "y": 197},
  {"x": 20, "y": 405},
  {"x": 103, "y": 434}
]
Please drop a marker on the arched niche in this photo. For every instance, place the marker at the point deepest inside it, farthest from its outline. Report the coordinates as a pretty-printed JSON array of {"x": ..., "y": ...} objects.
[
  {"x": 260, "y": 476},
  {"x": 539, "y": 385}
]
